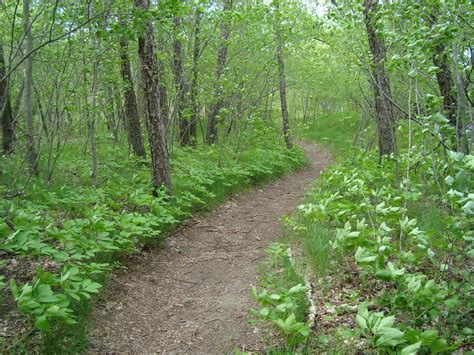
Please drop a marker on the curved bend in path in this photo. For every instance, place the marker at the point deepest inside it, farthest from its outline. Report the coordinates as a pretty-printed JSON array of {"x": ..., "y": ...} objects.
[{"x": 193, "y": 296}]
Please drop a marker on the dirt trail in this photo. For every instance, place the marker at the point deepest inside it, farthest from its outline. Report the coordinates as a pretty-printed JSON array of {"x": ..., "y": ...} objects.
[{"x": 193, "y": 296}]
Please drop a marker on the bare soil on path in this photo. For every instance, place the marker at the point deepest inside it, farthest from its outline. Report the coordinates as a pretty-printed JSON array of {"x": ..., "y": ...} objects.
[{"x": 193, "y": 295}]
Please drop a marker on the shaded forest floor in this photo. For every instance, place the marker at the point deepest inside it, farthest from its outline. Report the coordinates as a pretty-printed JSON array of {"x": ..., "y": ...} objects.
[{"x": 194, "y": 294}]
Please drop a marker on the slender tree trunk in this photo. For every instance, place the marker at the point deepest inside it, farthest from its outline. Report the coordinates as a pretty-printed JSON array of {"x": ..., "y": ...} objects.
[
  {"x": 91, "y": 123},
  {"x": 194, "y": 82},
  {"x": 109, "y": 112},
  {"x": 93, "y": 114},
  {"x": 131, "y": 106},
  {"x": 179, "y": 83},
  {"x": 31, "y": 154},
  {"x": 282, "y": 83},
  {"x": 464, "y": 111},
  {"x": 222, "y": 53},
  {"x": 380, "y": 83},
  {"x": 447, "y": 90},
  {"x": 445, "y": 83},
  {"x": 160, "y": 167},
  {"x": 42, "y": 113},
  {"x": 6, "y": 114},
  {"x": 17, "y": 104},
  {"x": 444, "y": 78}
]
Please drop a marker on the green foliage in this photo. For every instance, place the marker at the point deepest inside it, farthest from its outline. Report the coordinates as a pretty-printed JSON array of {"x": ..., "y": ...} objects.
[
  {"x": 334, "y": 130},
  {"x": 385, "y": 336},
  {"x": 75, "y": 233},
  {"x": 279, "y": 308},
  {"x": 406, "y": 227},
  {"x": 420, "y": 259},
  {"x": 281, "y": 304},
  {"x": 379, "y": 328}
]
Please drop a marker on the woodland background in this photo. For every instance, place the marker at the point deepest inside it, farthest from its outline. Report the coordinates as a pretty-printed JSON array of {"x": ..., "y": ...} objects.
[{"x": 120, "y": 119}]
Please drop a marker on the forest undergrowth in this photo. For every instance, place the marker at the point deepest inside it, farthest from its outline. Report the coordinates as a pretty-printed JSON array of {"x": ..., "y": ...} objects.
[
  {"x": 218, "y": 90},
  {"x": 59, "y": 242},
  {"x": 387, "y": 252}
]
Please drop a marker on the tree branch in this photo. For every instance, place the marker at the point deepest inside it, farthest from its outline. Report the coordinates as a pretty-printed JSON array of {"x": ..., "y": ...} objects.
[{"x": 44, "y": 44}]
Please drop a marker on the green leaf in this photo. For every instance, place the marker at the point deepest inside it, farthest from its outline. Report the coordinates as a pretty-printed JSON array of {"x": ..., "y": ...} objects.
[
  {"x": 383, "y": 274},
  {"x": 411, "y": 349},
  {"x": 14, "y": 288},
  {"x": 439, "y": 345},
  {"x": 361, "y": 322},
  {"x": 53, "y": 310},
  {"x": 451, "y": 303},
  {"x": 386, "y": 322},
  {"x": 93, "y": 287},
  {"x": 65, "y": 276},
  {"x": 264, "y": 312},
  {"x": 304, "y": 331},
  {"x": 297, "y": 289},
  {"x": 290, "y": 320},
  {"x": 456, "y": 156},
  {"x": 280, "y": 323},
  {"x": 363, "y": 310},
  {"x": 390, "y": 337},
  {"x": 45, "y": 294},
  {"x": 363, "y": 256},
  {"x": 42, "y": 323}
]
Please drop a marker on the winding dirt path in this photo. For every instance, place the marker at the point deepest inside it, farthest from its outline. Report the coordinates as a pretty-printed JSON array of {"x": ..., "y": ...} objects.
[{"x": 193, "y": 296}]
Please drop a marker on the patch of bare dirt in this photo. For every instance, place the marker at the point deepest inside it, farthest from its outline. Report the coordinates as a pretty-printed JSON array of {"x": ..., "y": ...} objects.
[{"x": 193, "y": 296}]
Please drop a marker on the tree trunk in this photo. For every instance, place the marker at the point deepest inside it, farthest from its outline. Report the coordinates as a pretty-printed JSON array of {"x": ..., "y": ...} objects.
[
  {"x": 445, "y": 83},
  {"x": 109, "y": 111},
  {"x": 131, "y": 106},
  {"x": 211, "y": 135},
  {"x": 91, "y": 123},
  {"x": 444, "y": 79},
  {"x": 160, "y": 167},
  {"x": 380, "y": 83},
  {"x": 464, "y": 112},
  {"x": 6, "y": 114},
  {"x": 165, "y": 109},
  {"x": 282, "y": 82},
  {"x": 94, "y": 94},
  {"x": 16, "y": 107},
  {"x": 31, "y": 154},
  {"x": 194, "y": 88},
  {"x": 179, "y": 83}
]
